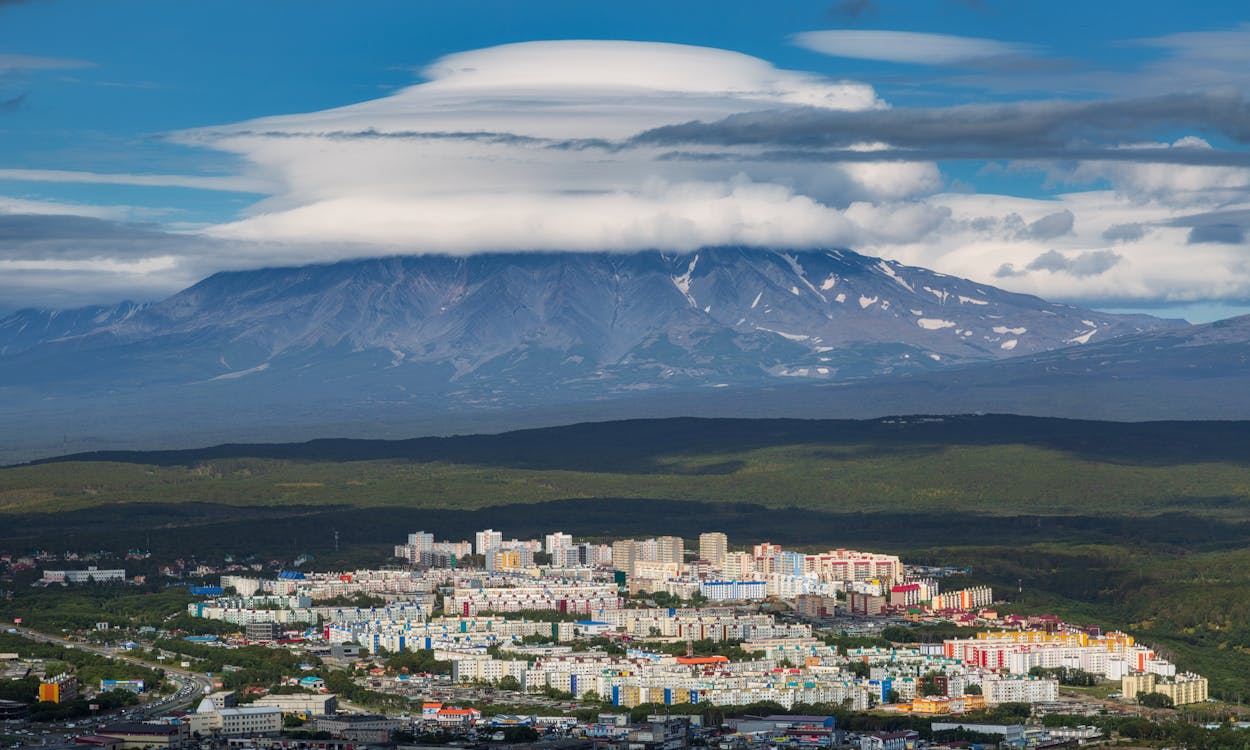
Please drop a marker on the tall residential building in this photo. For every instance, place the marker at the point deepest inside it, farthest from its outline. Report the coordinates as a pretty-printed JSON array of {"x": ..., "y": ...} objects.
[
  {"x": 738, "y": 565},
  {"x": 712, "y": 547},
  {"x": 557, "y": 540},
  {"x": 670, "y": 549},
  {"x": 422, "y": 541},
  {"x": 485, "y": 541},
  {"x": 624, "y": 555}
]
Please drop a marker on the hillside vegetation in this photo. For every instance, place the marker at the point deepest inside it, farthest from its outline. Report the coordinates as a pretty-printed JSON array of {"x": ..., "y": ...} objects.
[{"x": 982, "y": 465}]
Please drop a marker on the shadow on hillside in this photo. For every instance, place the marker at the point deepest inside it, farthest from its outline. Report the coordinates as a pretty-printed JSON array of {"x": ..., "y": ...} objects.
[
  {"x": 210, "y": 530},
  {"x": 652, "y": 446}
]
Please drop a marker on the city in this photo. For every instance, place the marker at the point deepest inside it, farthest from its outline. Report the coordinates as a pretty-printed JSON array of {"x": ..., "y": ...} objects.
[{"x": 634, "y": 643}]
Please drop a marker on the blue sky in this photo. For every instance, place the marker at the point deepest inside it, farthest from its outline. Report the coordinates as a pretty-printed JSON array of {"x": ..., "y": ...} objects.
[{"x": 96, "y": 97}]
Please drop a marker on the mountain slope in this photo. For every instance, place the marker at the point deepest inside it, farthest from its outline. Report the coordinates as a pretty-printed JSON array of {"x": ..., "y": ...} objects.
[
  {"x": 599, "y": 321},
  {"x": 31, "y": 327},
  {"x": 432, "y": 344}
]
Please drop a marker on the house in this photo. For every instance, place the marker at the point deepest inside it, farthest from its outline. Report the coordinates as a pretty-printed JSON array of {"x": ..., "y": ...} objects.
[
  {"x": 458, "y": 716},
  {"x": 905, "y": 740}
]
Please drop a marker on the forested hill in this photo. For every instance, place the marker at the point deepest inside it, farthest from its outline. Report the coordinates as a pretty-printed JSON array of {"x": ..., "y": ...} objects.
[{"x": 641, "y": 445}]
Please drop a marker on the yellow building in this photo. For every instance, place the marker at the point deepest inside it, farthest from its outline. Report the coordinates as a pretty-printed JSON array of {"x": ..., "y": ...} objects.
[
  {"x": 1184, "y": 689},
  {"x": 940, "y": 704},
  {"x": 1139, "y": 683},
  {"x": 1187, "y": 688},
  {"x": 1035, "y": 636}
]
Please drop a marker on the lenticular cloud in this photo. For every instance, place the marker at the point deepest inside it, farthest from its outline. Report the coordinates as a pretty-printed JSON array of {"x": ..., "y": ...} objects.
[{"x": 520, "y": 146}]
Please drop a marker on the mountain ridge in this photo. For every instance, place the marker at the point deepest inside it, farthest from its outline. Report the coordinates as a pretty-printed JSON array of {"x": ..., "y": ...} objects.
[{"x": 609, "y": 310}]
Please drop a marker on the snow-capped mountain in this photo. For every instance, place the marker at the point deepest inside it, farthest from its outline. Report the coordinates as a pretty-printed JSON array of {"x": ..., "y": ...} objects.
[
  {"x": 510, "y": 328},
  {"x": 395, "y": 346}
]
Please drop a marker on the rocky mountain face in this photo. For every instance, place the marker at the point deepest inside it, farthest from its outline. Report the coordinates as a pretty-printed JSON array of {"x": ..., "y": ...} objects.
[{"x": 513, "y": 327}]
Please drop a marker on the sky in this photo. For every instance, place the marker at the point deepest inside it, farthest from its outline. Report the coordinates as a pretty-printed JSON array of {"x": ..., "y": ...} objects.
[{"x": 1091, "y": 153}]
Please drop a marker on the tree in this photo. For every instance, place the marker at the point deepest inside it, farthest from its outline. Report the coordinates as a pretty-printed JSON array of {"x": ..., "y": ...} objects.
[
  {"x": 972, "y": 690},
  {"x": 893, "y": 696},
  {"x": 508, "y": 682},
  {"x": 858, "y": 668},
  {"x": 1154, "y": 700},
  {"x": 520, "y": 734}
]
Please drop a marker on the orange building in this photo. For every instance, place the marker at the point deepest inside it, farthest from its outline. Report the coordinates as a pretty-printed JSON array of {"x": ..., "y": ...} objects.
[{"x": 63, "y": 687}]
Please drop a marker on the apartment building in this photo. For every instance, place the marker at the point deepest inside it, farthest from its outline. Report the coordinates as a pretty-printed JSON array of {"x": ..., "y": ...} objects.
[
  {"x": 487, "y": 540},
  {"x": 584, "y": 599},
  {"x": 713, "y": 546},
  {"x": 1019, "y": 689}
]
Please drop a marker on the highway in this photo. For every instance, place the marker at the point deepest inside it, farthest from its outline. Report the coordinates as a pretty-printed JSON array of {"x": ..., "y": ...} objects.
[{"x": 191, "y": 685}]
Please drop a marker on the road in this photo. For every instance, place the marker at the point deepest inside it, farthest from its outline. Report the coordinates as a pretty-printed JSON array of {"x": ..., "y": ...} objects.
[{"x": 191, "y": 685}]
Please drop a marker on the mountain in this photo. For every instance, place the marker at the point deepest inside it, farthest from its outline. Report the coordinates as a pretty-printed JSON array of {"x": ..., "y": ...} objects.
[
  {"x": 599, "y": 320},
  {"x": 31, "y": 327},
  {"x": 1208, "y": 350},
  {"x": 487, "y": 334}
]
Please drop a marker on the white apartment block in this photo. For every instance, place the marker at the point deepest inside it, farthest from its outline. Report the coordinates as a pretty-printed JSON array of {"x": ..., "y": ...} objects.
[
  {"x": 485, "y": 541},
  {"x": 731, "y": 591},
  {"x": 557, "y": 540},
  {"x": 1019, "y": 689},
  {"x": 581, "y": 599},
  {"x": 90, "y": 575}
]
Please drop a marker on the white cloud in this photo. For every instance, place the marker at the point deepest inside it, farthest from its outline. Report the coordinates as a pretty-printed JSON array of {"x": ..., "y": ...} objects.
[
  {"x": 10, "y": 205},
  {"x": 1096, "y": 260},
  {"x": 1175, "y": 183},
  {"x": 228, "y": 183},
  {"x": 910, "y": 47},
  {"x": 513, "y": 147}
]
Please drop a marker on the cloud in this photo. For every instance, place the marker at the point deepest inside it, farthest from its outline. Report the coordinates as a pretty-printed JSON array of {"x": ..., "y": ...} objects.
[
  {"x": 1194, "y": 180},
  {"x": 1124, "y": 232},
  {"x": 64, "y": 260},
  {"x": 9, "y": 63},
  {"x": 1050, "y": 226},
  {"x": 1225, "y": 227},
  {"x": 1226, "y": 234},
  {"x": 229, "y": 183},
  {"x": 1046, "y": 129},
  {"x": 1085, "y": 264},
  {"x": 49, "y": 208},
  {"x": 915, "y": 48},
  {"x": 1198, "y": 59},
  {"x": 528, "y": 145}
]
